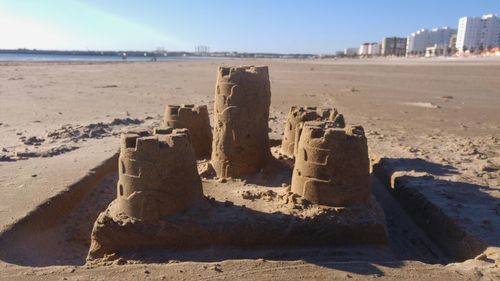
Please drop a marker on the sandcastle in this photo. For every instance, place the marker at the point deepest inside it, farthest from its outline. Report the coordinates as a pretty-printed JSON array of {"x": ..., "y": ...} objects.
[
  {"x": 196, "y": 120},
  {"x": 241, "y": 142},
  {"x": 161, "y": 203},
  {"x": 332, "y": 164},
  {"x": 157, "y": 174},
  {"x": 297, "y": 116}
]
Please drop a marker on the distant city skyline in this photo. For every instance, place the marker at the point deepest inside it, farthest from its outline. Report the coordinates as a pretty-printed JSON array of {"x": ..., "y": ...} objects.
[{"x": 279, "y": 26}]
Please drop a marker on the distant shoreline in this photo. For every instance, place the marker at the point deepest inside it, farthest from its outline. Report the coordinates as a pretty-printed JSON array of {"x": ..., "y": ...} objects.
[
  {"x": 23, "y": 57},
  {"x": 95, "y": 53},
  {"x": 142, "y": 55}
]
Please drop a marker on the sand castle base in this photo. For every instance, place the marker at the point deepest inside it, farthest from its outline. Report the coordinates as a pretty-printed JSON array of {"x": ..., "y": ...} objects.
[{"x": 253, "y": 218}]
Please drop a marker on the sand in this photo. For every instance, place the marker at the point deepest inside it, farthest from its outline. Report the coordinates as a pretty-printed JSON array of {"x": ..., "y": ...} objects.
[{"x": 444, "y": 112}]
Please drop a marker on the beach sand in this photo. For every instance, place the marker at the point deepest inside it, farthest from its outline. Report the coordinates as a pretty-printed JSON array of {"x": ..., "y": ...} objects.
[{"x": 424, "y": 117}]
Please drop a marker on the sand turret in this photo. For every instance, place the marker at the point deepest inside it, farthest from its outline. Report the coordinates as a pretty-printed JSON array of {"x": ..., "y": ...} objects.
[
  {"x": 335, "y": 120},
  {"x": 196, "y": 120},
  {"x": 331, "y": 164},
  {"x": 297, "y": 116},
  {"x": 241, "y": 142},
  {"x": 157, "y": 174}
]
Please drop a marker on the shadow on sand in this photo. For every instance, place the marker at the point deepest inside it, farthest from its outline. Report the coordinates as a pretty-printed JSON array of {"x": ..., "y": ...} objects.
[
  {"x": 417, "y": 165},
  {"x": 461, "y": 218}
]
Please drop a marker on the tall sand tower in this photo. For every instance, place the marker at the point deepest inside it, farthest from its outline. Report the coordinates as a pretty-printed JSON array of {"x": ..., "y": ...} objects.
[{"x": 241, "y": 142}]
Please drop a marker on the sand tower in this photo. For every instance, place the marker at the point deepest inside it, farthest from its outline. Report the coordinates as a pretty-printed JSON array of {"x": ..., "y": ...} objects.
[
  {"x": 157, "y": 174},
  {"x": 298, "y": 115},
  {"x": 195, "y": 119},
  {"x": 331, "y": 164},
  {"x": 241, "y": 142},
  {"x": 335, "y": 120}
]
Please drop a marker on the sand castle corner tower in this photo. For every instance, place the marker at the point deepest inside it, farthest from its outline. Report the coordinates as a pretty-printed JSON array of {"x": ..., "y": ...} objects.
[
  {"x": 157, "y": 174},
  {"x": 241, "y": 142},
  {"x": 332, "y": 164},
  {"x": 196, "y": 120},
  {"x": 297, "y": 116}
]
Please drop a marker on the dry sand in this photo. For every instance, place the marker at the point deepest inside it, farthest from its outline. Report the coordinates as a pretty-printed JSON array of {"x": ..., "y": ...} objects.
[{"x": 59, "y": 120}]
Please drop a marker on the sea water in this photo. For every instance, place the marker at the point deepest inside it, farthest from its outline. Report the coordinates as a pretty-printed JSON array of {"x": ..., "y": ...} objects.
[{"x": 66, "y": 57}]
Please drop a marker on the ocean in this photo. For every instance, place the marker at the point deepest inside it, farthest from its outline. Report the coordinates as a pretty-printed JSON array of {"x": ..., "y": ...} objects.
[{"x": 56, "y": 57}]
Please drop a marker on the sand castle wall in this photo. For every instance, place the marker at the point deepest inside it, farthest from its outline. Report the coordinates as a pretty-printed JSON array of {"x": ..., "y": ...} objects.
[
  {"x": 157, "y": 174},
  {"x": 298, "y": 115},
  {"x": 241, "y": 142},
  {"x": 196, "y": 120},
  {"x": 332, "y": 164}
]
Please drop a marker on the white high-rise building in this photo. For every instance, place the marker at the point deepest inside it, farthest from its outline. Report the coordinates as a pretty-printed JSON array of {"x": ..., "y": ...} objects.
[
  {"x": 369, "y": 49},
  {"x": 363, "y": 49},
  {"x": 374, "y": 49},
  {"x": 475, "y": 33},
  {"x": 419, "y": 41}
]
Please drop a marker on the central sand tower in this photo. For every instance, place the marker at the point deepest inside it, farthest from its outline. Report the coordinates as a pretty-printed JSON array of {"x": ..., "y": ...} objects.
[{"x": 241, "y": 142}]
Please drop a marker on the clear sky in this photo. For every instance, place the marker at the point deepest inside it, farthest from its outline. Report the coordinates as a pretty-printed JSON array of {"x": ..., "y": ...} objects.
[{"x": 282, "y": 26}]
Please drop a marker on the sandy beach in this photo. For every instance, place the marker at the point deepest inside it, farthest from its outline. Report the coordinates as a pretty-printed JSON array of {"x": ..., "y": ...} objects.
[{"x": 433, "y": 125}]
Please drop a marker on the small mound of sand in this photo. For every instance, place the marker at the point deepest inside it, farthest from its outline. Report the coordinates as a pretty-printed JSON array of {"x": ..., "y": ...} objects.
[
  {"x": 96, "y": 131},
  {"x": 47, "y": 152},
  {"x": 267, "y": 195},
  {"x": 422, "y": 104},
  {"x": 32, "y": 140}
]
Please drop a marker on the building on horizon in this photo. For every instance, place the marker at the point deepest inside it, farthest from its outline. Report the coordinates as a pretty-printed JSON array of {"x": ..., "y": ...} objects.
[
  {"x": 478, "y": 33},
  {"x": 369, "y": 50},
  {"x": 351, "y": 52},
  {"x": 419, "y": 41},
  {"x": 393, "y": 46},
  {"x": 339, "y": 54},
  {"x": 374, "y": 49},
  {"x": 436, "y": 51},
  {"x": 452, "y": 44},
  {"x": 201, "y": 50},
  {"x": 363, "y": 49}
]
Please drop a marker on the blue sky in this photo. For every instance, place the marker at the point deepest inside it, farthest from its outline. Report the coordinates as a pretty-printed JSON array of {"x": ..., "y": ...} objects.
[{"x": 293, "y": 26}]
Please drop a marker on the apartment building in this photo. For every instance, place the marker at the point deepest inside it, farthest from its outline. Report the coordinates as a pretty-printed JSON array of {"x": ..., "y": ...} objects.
[
  {"x": 477, "y": 33},
  {"x": 393, "y": 46},
  {"x": 419, "y": 41}
]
